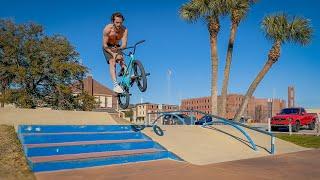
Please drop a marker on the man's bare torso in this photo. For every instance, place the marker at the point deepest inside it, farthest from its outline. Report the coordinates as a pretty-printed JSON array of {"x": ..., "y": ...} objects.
[{"x": 114, "y": 35}]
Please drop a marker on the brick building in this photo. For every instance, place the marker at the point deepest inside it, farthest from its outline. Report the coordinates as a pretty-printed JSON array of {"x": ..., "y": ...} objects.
[
  {"x": 105, "y": 97},
  {"x": 140, "y": 112},
  {"x": 257, "y": 108},
  {"x": 267, "y": 107}
]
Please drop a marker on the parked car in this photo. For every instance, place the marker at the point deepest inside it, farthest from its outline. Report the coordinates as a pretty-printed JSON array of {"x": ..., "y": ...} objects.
[
  {"x": 205, "y": 119},
  {"x": 296, "y": 116},
  {"x": 177, "y": 119}
]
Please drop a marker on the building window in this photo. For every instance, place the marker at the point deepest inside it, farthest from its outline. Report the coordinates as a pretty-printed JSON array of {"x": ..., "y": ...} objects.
[{"x": 109, "y": 102}]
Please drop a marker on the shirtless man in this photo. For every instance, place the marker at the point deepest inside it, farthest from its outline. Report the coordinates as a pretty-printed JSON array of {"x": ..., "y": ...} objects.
[{"x": 112, "y": 34}]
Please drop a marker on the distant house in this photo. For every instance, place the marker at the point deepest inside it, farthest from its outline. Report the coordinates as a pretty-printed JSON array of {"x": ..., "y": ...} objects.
[
  {"x": 140, "y": 112},
  {"x": 105, "y": 97}
]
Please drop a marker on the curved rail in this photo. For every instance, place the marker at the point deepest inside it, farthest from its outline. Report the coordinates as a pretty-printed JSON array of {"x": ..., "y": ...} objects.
[{"x": 234, "y": 124}]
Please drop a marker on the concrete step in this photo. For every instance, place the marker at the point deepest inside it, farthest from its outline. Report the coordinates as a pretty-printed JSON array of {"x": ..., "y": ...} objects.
[
  {"x": 89, "y": 148},
  {"x": 82, "y": 143},
  {"x": 74, "y": 133},
  {"x": 71, "y": 128},
  {"x": 60, "y": 138},
  {"x": 100, "y": 159},
  {"x": 79, "y": 156}
]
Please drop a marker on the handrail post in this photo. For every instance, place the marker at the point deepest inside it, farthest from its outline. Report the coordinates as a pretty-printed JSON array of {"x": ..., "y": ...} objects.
[
  {"x": 290, "y": 127},
  {"x": 272, "y": 144}
]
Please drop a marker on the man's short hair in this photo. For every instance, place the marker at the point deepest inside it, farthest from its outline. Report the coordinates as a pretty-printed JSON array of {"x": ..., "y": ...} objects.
[{"x": 116, "y": 14}]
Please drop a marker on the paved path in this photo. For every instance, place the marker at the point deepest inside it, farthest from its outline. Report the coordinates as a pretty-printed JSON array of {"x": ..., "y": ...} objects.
[{"x": 298, "y": 165}]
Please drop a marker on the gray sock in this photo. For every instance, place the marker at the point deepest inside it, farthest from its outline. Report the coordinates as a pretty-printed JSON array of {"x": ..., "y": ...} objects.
[{"x": 115, "y": 83}]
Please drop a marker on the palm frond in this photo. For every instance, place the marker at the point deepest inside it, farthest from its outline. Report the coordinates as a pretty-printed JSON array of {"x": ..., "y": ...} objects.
[
  {"x": 196, "y": 9},
  {"x": 275, "y": 27},
  {"x": 300, "y": 31},
  {"x": 189, "y": 12},
  {"x": 283, "y": 28},
  {"x": 238, "y": 9}
]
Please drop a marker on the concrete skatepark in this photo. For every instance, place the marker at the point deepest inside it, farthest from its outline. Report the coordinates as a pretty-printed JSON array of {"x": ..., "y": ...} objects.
[{"x": 195, "y": 145}]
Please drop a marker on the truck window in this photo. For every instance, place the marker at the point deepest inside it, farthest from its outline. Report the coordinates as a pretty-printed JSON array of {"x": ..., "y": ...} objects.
[{"x": 290, "y": 111}]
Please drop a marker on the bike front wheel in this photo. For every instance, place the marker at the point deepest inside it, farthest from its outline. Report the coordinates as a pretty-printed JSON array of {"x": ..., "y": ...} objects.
[
  {"x": 140, "y": 75},
  {"x": 123, "y": 99}
]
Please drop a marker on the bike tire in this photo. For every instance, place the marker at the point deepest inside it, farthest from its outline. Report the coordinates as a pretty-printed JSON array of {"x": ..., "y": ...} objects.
[
  {"x": 157, "y": 130},
  {"x": 124, "y": 99},
  {"x": 137, "y": 128},
  {"x": 140, "y": 75}
]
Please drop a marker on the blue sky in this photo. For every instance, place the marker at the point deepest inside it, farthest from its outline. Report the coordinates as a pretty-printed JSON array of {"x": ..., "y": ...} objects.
[{"x": 174, "y": 44}]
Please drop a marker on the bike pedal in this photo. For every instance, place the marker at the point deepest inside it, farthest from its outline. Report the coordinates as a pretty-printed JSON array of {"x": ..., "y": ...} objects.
[{"x": 120, "y": 74}]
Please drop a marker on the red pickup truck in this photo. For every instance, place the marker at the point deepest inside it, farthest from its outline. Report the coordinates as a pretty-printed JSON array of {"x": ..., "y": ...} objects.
[{"x": 297, "y": 116}]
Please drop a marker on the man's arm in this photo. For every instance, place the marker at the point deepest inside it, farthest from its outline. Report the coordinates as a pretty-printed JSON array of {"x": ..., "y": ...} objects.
[{"x": 124, "y": 39}]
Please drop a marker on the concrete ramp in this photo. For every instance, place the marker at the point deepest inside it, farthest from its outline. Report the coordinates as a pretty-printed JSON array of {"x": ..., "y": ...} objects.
[
  {"x": 16, "y": 116},
  {"x": 217, "y": 143}
]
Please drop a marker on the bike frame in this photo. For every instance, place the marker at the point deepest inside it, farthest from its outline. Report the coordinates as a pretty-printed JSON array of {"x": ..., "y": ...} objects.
[{"x": 126, "y": 80}]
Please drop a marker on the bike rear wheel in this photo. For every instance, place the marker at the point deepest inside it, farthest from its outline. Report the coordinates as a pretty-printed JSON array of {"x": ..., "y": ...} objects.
[
  {"x": 157, "y": 130},
  {"x": 124, "y": 99},
  {"x": 140, "y": 75}
]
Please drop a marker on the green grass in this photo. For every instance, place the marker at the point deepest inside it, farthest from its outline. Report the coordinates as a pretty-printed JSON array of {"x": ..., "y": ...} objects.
[
  {"x": 13, "y": 164},
  {"x": 307, "y": 141}
]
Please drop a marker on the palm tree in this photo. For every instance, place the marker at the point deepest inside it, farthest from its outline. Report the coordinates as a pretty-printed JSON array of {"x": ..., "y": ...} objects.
[
  {"x": 237, "y": 9},
  {"x": 209, "y": 11},
  {"x": 279, "y": 29}
]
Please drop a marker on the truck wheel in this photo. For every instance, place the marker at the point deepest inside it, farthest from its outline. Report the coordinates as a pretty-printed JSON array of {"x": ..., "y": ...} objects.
[
  {"x": 312, "y": 125},
  {"x": 273, "y": 128},
  {"x": 296, "y": 127}
]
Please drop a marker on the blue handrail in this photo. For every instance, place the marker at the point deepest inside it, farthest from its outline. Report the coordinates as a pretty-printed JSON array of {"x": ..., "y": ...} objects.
[{"x": 234, "y": 124}]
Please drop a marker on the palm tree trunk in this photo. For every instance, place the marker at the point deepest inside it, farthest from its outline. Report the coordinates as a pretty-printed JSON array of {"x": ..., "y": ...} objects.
[
  {"x": 226, "y": 74},
  {"x": 252, "y": 88},
  {"x": 273, "y": 57},
  {"x": 214, "y": 75}
]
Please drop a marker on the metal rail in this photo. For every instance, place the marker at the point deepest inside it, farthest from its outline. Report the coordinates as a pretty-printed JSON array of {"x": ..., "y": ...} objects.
[{"x": 234, "y": 124}]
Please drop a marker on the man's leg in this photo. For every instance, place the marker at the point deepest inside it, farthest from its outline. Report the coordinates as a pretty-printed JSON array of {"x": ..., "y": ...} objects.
[{"x": 112, "y": 69}]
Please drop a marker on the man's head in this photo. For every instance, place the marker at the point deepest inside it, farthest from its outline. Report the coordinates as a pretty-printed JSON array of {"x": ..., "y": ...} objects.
[{"x": 117, "y": 19}]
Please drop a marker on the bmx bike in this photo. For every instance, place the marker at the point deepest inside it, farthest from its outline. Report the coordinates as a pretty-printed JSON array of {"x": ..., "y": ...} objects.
[{"x": 134, "y": 73}]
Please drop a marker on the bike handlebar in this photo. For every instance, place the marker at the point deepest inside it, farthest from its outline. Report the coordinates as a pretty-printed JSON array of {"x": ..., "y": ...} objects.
[
  {"x": 139, "y": 42},
  {"x": 131, "y": 47}
]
